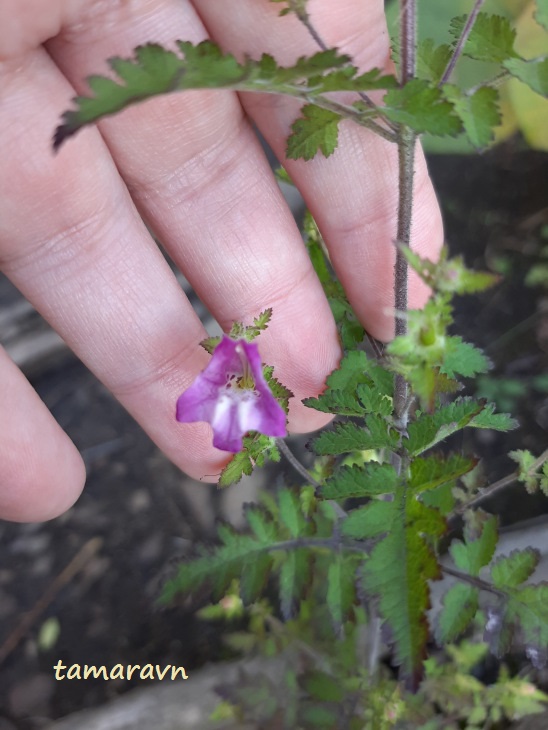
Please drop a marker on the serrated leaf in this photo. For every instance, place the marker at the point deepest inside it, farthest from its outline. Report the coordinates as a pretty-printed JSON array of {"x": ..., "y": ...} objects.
[
  {"x": 449, "y": 275},
  {"x": 428, "y": 430},
  {"x": 526, "y": 608},
  {"x": 462, "y": 358},
  {"x": 491, "y": 39},
  {"x": 257, "y": 448},
  {"x": 432, "y": 60},
  {"x": 478, "y": 548},
  {"x": 254, "y": 577},
  {"x": 348, "y": 437},
  {"x": 292, "y": 581},
  {"x": 350, "y": 373},
  {"x": 511, "y": 570},
  {"x": 479, "y": 113},
  {"x": 316, "y": 131},
  {"x": 215, "y": 569},
  {"x": 460, "y": 605},
  {"x": 533, "y": 73},
  {"x": 397, "y": 572},
  {"x": 371, "y": 479},
  {"x": 290, "y": 513},
  {"x": 369, "y": 521},
  {"x": 239, "y": 465},
  {"x": 423, "y": 108},
  {"x": 279, "y": 391},
  {"x": 494, "y": 421},
  {"x": 373, "y": 401},
  {"x": 341, "y": 592},
  {"x": 338, "y": 402},
  {"x": 435, "y": 470},
  {"x": 261, "y": 524},
  {"x": 210, "y": 343},
  {"x": 155, "y": 70}
]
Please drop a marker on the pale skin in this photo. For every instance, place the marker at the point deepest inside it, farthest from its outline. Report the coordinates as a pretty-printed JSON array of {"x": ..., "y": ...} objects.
[{"x": 73, "y": 241}]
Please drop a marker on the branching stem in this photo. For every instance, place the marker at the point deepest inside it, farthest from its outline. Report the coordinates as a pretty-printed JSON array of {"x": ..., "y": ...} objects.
[
  {"x": 348, "y": 112},
  {"x": 296, "y": 464},
  {"x": 499, "y": 485},
  {"x": 461, "y": 42},
  {"x": 483, "y": 585},
  {"x": 305, "y": 20}
]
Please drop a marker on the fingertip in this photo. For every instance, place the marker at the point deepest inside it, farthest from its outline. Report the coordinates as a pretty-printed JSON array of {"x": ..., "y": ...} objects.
[{"x": 35, "y": 487}]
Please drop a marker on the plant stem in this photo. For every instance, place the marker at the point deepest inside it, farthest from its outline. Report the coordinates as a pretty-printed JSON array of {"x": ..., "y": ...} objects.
[
  {"x": 348, "y": 112},
  {"x": 472, "y": 580},
  {"x": 305, "y": 20},
  {"x": 408, "y": 39},
  {"x": 296, "y": 464},
  {"x": 406, "y": 161},
  {"x": 461, "y": 42},
  {"x": 499, "y": 485}
]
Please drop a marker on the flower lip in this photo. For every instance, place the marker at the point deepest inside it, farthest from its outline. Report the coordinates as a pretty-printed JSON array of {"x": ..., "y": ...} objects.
[{"x": 233, "y": 396}]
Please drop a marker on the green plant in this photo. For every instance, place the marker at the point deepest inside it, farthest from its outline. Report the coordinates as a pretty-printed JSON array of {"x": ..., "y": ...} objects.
[{"x": 361, "y": 542}]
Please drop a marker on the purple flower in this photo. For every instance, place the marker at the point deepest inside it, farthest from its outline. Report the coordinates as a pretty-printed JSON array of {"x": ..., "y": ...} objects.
[{"x": 232, "y": 395}]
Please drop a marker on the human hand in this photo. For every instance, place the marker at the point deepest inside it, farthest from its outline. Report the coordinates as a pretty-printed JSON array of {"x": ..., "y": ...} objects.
[{"x": 73, "y": 241}]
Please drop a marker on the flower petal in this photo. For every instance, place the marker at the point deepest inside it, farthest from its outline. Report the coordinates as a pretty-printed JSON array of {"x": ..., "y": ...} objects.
[{"x": 232, "y": 411}]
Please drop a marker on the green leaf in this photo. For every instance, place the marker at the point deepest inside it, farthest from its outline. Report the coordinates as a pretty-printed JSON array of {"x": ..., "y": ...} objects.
[
  {"x": 371, "y": 520},
  {"x": 336, "y": 401},
  {"x": 479, "y": 113},
  {"x": 355, "y": 388},
  {"x": 257, "y": 448},
  {"x": 428, "y": 430},
  {"x": 290, "y": 513},
  {"x": 397, "y": 572},
  {"x": 435, "y": 470},
  {"x": 239, "y": 465},
  {"x": 423, "y": 108},
  {"x": 279, "y": 391},
  {"x": 432, "y": 60},
  {"x": 462, "y": 358},
  {"x": 253, "y": 579},
  {"x": 155, "y": 70},
  {"x": 217, "y": 569},
  {"x": 511, "y": 570},
  {"x": 293, "y": 580},
  {"x": 317, "y": 130},
  {"x": 494, "y": 421},
  {"x": 526, "y": 474},
  {"x": 341, "y": 592},
  {"x": 348, "y": 437},
  {"x": 294, "y": 6},
  {"x": 449, "y": 275},
  {"x": 250, "y": 332},
  {"x": 374, "y": 401},
  {"x": 491, "y": 39},
  {"x": 371, "y": 479},
  {"x": 478, "y": 548},
  {"x": 261, "y": 524},
  {"x": 460, "y": 605},
  {"x": 533, "y": 73},
  {"x": 525, "y": 610}
]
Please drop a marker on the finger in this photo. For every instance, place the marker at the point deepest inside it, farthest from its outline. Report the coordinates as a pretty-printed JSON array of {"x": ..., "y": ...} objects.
[
  {"x": 353, "y": 195},
  {"x": 41, "y": 472},
  {"x": 198, "y": 175},
  {"x": 72, "y": 242}
]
